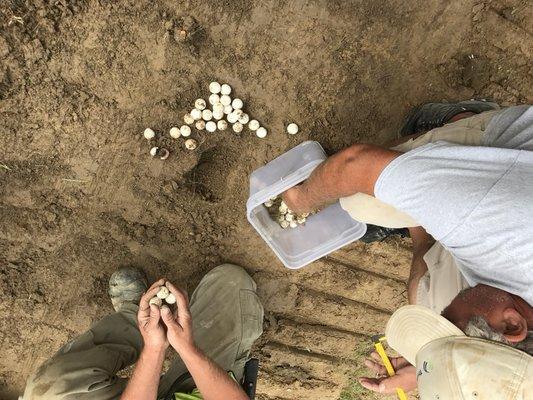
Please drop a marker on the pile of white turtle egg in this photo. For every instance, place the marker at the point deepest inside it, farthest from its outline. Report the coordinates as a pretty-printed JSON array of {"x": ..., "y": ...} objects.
[
  {"x": 163, "y": 294},
  {"x": 280, "y": 212},
  {"x": 218, "y": 113}
]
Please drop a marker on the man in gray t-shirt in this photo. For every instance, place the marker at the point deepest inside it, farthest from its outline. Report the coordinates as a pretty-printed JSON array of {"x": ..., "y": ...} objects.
[{"x": 476, "y": 201}]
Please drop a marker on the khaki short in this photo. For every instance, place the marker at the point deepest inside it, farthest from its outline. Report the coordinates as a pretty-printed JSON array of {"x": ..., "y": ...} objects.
[{"x": 443, "y": 280}]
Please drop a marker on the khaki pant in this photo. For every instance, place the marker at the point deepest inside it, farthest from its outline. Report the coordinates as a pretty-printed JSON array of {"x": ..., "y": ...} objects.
[
  {"x": 227, "y": 319},
  {"x": 368, "y": 209}
]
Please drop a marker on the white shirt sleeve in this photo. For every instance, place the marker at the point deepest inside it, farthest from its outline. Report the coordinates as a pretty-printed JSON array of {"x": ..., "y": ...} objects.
[{"x": 440, "y": 184}]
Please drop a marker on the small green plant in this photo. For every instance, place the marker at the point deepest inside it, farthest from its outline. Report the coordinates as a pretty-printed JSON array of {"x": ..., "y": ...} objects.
[{"x": 354, "y": 391}]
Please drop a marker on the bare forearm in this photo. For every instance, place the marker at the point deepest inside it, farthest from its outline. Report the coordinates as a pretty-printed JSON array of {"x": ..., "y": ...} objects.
[
  {"x": 144, "y": 383},
  {"x": 350, "y": 171},
  {"x": 212, "y": 381}
]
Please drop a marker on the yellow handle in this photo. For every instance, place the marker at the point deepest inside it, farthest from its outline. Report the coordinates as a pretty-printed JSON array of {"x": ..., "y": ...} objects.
[
  {"x": 401, "y": 394},
  {"x": 389, "y": 368}
]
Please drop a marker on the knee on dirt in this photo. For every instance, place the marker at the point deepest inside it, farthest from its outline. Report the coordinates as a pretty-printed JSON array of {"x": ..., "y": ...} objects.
[{"x": 232, "y": 276}]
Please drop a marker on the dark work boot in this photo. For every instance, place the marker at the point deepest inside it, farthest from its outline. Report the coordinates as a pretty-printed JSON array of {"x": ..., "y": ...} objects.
[
  {"x": 376, "y": 233},
  {"x": 127, "y": 285},
  {"x": 433, "y": 115}
]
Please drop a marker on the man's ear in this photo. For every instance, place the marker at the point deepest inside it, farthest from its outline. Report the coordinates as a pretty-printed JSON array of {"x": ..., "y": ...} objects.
[{"x": 515, "y": 325}]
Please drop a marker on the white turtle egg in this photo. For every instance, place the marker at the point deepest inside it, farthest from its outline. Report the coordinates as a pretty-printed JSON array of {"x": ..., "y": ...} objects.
[
  {"x": 289, "y": 217},
  {"x": 281, "y": 218},
  {"x": 207, "y": 114},
  {"x": 253, "y": 125},
  {"x": 196, "y": 113},
  {"x": 191, "y": 144},
  {"x": 214, "y": 99},
  {"x": 228, "y": 109},
  {"x": 261, "y": 132},
  {"x": 218, "y": 107},
  {"x": 174, "y": 132},
  {"x": 237, "y": 103},
  {"x": 156, "y": 300},
  {"x": 292, "y": 129},
  {"x": 188, "y": 119},
  {"x": 225, "y": 100},
  {"x": 222, "y": 125},
  {"x": 225, "y": 89},
  {"x": 293, "y": 224},
  {"x": 268, "y": 203},
  {"x": 237, "y": 127},
  {"x": 284, "y": 224},
  {"x": 218, "y": 115},
  {"x": 301, "y": 220},
  {"x": 244, "y": 118},
  {"x": 170, "y": 299},
  {"x": 163, "y": 292},
  {"x": 200, "y": 125},
  {"x": 210, "y": 126},
  {"x": 148, "y": 134},
  {"x": 153, "y": 151},
  {"x": 214, "y": 87},
  {"x": 185, "y": 130},
  {"x": 200, "y": 104},
  {"x": 232, "y": 118},
  {"x": 238, "y": 112}
]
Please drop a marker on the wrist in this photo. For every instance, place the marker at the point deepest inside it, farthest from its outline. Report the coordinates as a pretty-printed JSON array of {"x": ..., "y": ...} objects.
[
  {"x": 154, "y": 350},
  {"x": 189, "y": 351},
  {"x": 301, "y": 198}
]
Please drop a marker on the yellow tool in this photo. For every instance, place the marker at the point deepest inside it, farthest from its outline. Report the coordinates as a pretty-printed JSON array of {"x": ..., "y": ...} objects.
[{"x": 378, "y": 339}]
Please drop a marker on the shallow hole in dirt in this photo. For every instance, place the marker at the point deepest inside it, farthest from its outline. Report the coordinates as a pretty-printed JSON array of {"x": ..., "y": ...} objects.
[{"x": 208, "y": 178}]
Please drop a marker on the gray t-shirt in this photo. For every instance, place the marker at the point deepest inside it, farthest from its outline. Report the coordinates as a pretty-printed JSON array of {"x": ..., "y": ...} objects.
[
  {"x": 511, "y": 129},
  {"x": 476, "y": 201}
]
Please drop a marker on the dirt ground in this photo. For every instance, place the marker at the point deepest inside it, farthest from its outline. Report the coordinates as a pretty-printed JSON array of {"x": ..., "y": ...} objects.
[{"x": 80, "y": 196}]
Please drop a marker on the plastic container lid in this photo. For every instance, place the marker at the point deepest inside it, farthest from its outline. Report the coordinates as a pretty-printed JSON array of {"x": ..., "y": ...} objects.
[{"x": 323, "y": 233}]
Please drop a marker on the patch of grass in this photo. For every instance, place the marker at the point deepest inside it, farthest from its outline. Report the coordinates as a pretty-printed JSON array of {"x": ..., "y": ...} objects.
[{"x": 354, "y": 391}]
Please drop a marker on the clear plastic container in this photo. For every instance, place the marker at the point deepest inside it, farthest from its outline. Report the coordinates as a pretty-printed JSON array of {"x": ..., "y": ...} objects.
[{"x": 323, "y": 233}]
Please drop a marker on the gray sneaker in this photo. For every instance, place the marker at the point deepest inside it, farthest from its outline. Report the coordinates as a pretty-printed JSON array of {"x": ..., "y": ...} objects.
[
  {"x": 433, "y": 115},
  {"x": 127, "y": 285}
]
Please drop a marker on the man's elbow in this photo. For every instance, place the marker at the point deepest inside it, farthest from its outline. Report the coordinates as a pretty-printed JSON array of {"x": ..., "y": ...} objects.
[
  {"x": 356, "y": 152},
  {"x": 362, "y": 164}
]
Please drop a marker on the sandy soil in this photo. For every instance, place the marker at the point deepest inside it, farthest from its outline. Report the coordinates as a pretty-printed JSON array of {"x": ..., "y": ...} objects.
[{"x": 80, "y": 80}]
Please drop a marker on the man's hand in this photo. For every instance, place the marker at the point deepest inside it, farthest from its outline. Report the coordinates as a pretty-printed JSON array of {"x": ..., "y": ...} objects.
[
  {"x": 405, "y": 377},
  {"x": 179, "y": 322},
  {"x": 148, "y": 317},
  {"x": 296, "y": 200}
]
